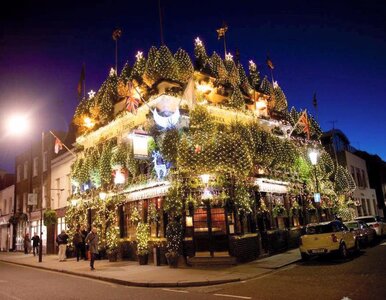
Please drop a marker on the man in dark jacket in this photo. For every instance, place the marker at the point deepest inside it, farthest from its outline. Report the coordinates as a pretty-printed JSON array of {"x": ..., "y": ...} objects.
[
  {"x": 35, "y": 243},
  {"x": 77, "y": 241},
  {"x": 62, "y": 240}
]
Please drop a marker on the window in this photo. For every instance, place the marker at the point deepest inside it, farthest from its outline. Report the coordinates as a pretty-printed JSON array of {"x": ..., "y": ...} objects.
[
  {"x": 35, "y": 166},
  {"x": 364, "y": 179},
  {"x": 61, "y": 225},
  {"x": 358, "y": 176},
  {"x": 25, "y": 170},
  {"x": 5, "y": 206},
  {"x": 25, "y": 197},
  {"x": 44, "y": 198},
  {"x": 68, "y": 184},
  {"x": 18, "y": 173},
  {"x": 57, "y": 187},
  {"x": 353, "y": 174},
  {"x": 45, "y": 161}
]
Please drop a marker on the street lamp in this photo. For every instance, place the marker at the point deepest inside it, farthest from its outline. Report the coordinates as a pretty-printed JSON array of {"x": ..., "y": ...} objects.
[
  {"x": 313, "y": 154},
  {"x": 17, "y": 125}
]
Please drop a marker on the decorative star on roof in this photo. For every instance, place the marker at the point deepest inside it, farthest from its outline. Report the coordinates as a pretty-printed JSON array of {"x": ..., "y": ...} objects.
[
  {"x": 198, "y": 41},
  {"x": 275, "y": 85},
  {"x": 112, "y": 72},
  {"x": 252, "y": 64},
  {"x": 229, "y": 56},
  {"x": 91, "y": 94},
  {"x": 139, "y": 55}
]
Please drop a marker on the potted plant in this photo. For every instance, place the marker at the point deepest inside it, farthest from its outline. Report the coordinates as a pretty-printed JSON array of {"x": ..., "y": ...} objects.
[
  {"x": 143, "y": 237},
  {"x": 50, "y": 217},
  {"x": 173, "y": 243}
]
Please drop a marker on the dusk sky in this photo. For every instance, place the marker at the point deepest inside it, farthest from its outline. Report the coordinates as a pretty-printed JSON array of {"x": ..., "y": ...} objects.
[{"x": 334, "y": 48}]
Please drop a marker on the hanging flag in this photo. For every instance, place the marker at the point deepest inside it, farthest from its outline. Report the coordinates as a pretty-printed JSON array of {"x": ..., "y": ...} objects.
[
  {"x": 58, "y": 145},
  {"x": 269, "y": 63},
  {"x": 314, "y": 101},
  {"x": 303, "y": 121},
  {"x": 128, "y": 92},
  {"x": 116, "y": 34},
  {"x": 221, "y": 31},
  {"x": 81, "y": 80}
]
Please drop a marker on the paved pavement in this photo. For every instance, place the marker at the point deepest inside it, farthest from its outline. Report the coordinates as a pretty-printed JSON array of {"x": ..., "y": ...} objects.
[{"x": 131, "y": 274}]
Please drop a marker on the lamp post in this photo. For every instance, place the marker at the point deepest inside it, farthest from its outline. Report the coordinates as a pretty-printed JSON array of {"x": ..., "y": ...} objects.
[{"x": 313, "y": 155}]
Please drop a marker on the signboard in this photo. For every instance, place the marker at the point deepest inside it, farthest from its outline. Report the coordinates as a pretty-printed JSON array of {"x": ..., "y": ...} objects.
[
  {"x": 140, "y": 143},
  {"x": 32, "y": 199},
  {"x": 148, "y": 193},
  {"x": 272, "y": 186},
  {"x": 317, "y": 197}
]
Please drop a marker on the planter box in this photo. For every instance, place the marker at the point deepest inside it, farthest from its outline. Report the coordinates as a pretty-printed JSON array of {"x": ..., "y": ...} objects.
[{"x": 244, "y": 248}]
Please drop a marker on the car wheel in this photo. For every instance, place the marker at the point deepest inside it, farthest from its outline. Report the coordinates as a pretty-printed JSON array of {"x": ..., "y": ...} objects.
[
  {"x": 305, "y": 256},
  {"x": 343, "y": 251}
]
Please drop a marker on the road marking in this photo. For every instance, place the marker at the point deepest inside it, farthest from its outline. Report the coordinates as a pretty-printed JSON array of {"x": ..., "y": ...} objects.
[
  {"x": 232, "y": 296},
  {"x": 176, "y": 291}
]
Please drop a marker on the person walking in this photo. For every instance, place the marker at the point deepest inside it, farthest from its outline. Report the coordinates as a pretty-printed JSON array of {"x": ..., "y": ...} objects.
[
  {"x": 92, "y": 241},
  {"x": 84, "y": 233},
  {"x": 27, "y": 243},
  {"x": 77, "y": 241},
  {"x": 62, "y": 240},
  {"x": 35, "y": 243}
]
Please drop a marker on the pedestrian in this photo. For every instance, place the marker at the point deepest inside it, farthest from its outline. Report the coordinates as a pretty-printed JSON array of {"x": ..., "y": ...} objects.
[
  {"x": 92, "y": 241},
  {"x": 35, "y": 243},
  {"x": 84, "y": 233},
  {"x": 27, "y": 243},
  {"x": 77, "y": 241},
  {"x": 62, "y": 240}
]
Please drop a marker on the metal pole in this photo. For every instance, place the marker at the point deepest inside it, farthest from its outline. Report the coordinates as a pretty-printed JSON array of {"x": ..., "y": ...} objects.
[{"x": 41, "y": 205}]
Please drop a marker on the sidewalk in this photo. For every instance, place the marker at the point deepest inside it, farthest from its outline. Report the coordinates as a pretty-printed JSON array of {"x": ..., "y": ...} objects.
[{"x": 131, "y": 273}]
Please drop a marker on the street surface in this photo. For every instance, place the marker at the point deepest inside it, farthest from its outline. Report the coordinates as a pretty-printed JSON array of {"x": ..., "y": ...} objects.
[{"x": 362, "y": 277}]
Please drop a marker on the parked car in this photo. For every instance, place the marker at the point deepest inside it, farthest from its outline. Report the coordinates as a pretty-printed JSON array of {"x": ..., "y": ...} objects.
[
  {"x": 326, "y": 238},
  {"x": 363, "y": 232},
  {"x": 376, "y": 222}
]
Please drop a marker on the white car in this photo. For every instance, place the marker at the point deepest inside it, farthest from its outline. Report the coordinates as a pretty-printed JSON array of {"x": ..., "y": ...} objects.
[{"x": 375, "y": 222}]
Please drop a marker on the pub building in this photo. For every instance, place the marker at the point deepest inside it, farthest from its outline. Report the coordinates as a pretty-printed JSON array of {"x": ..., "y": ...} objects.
[{"x": 147, "y": 134}]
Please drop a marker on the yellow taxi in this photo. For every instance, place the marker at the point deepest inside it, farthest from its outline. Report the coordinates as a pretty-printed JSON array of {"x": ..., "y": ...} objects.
[{"x": 327, "y": 237}]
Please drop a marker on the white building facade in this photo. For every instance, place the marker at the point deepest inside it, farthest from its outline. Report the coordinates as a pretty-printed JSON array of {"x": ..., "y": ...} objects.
[
  {"x": 6, "y": 210},
  {"x": 365, "y": 198},
  {"x": 61, "y": 186}
]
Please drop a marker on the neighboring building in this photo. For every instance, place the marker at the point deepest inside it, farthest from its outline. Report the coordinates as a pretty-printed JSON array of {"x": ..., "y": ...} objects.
[
  {"x": 338, "y": 145},
  {"x": 33, "y": 191},
  {"x": 6, "y": 211},
  {"x": 376, "y": 169},
  {"x": 6, "y": 179},
  {"x": 61, "y": 187}
]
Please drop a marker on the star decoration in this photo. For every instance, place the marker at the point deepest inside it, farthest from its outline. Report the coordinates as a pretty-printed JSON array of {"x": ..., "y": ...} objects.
[
  {"x": 112, "y": 72},
  {"x": 91, "y": 94},
  {"x": 252, "y": 65},
  {"x": 139, "y": 55},
  {"x": 198, "y": 41},
  {"x": 275, "y": 85},
  {"x": 229, "y": 56}
]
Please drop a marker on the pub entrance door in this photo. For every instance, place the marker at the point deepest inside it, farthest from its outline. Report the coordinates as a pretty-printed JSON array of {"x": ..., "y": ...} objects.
[{"x": 210, "y": 229}]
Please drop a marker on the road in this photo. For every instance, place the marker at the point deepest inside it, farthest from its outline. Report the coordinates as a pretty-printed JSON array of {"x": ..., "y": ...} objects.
[{"x": 362, "y": 277}]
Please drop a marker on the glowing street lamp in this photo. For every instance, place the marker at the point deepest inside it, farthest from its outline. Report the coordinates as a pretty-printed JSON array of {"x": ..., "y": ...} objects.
[
  {"x": 205, "y": 178},
  {"x": 17, "y": 125},
  {"x": 313, "y": 155}
]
